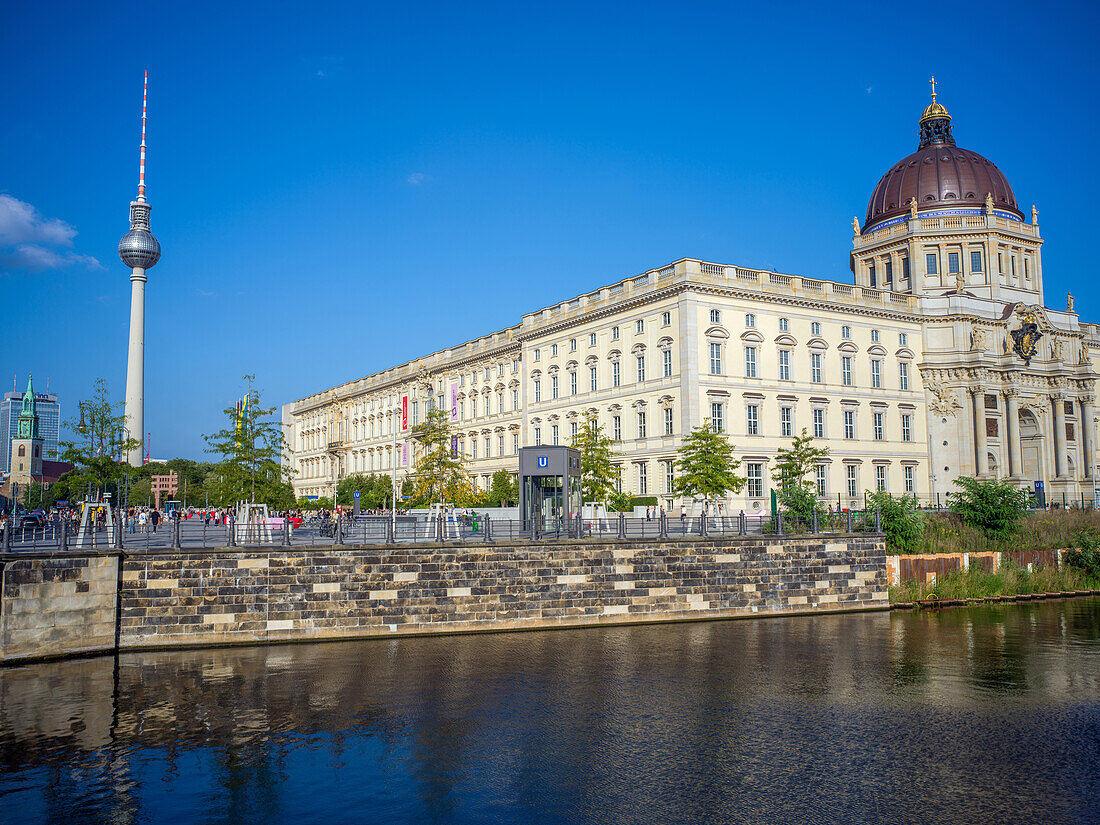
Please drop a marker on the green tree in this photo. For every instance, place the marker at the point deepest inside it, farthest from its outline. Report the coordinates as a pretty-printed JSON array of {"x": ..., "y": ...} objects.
[
  {"x": 706, "y": 466},
  {"x": 381, "y": 492},
  {"x": 794, "y": 465},
  {"x": 439, "y": 473},
  {"x": 504, "y": 489},
  {"x": 250, "y": 448},
  {"x": 993, "y": 506},
  {"x": 598, "y": 470},
  {"x": 349, "y": 484},
  {"x": 901, "y": 518},
  {"x": 101, "y": 440}
]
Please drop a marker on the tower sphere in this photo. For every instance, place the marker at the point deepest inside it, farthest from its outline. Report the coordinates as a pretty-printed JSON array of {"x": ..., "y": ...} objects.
[{"x": 138, "y": 247}]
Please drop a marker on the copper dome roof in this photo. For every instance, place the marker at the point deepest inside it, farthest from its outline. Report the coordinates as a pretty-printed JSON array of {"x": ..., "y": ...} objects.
[{"x": 939, "y": 174}]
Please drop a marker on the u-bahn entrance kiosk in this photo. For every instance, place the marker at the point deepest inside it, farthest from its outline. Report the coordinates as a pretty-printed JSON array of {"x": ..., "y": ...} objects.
[{"x": 550, "y": 489}]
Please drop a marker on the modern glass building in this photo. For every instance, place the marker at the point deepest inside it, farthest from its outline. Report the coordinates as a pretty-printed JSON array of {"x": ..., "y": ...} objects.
[{"x": 49, "y": 412}]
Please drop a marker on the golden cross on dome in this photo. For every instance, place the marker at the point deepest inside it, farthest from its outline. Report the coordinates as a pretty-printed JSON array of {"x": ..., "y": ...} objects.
[{"x": 933, "y": 82}]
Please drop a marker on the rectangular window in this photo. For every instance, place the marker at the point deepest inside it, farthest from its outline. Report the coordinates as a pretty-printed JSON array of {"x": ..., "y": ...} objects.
[
  {"x": 538, "y": 436},
  {"x": 572, "y": 344},
  {"x": 952, "y": 263},
  {"x": 975, "y": 260},
  {"x": 538, "y": 395},
  {"x": 554, "y": 435},
  {"x": 668, "y": 420},
  {"x": 889, "y": 271},
  {"x": 614, "y": 333},
  {"x": 715, "y": 359},
  {"x": 641, "y": 424},
  {"x": 615, "y": 374},
  {"x": 666, "y": 319},
  {"x": 473, "y": 448},
  {"x": 666, "y": 363},
  {"x": 537, "y": 354},
  {"x": 903, "y": 339},
  {"x": 754, "y": 476},
  {"x": 717, "y": 417},
  {"x": 932, "y": 263},
  {"x": 784, "y": 324},
  {"x": 874, "y": 336},
  {"x": 905, "y": 268},
  {"x": 815, "y": 327},
  {"x": 643, "y": 480},
  {"x": 553, "y": 351},
  {"x": 846, "y": 370},
  {"x": 820, "y": 479},
  {"x": 871, "y": 274},
  {"x": 784, "y": 365},
  {"x": 750, "y": 362},
  {"x": 515, "y": 443},
  {"x": 639, "y": 327},
  {"x": 592, "y": 339},
  {"x": 903, "y": 375},
  {"x": 785, "y": 425},
  {"x": 752, "y": 419},
  {"x": 515, "y": 400},
  {"x": 670, "y": 478},
  {"x": 906, "y": 427},
  {"x": 880, "y": 478},
  {"x": 853, "y": 480},
  {"x": 572, "y": 431},
  {"x": 488, "y": 445},
  {"x": 845, "y": 332},
  {"x": 641, "y": 368},
  {"x": 815, "y": 367},
  {"x": 591, "y": 379},
  {"x": 750, "y": 320},
  {"x": 876, "y": 373},
  {"x": 416, "y": 412},
  {"x": 616, "y": 428},
  {"x": 553, "y": 386},
  {"x": 877, "y": 419},
  {"x": 572, "y": 383},
  {"x": 819, "y": 423},
  {"x": 716, "y": 316},
  {"x": 487, "y": 369},
  {"x": 908, "y": 478},
  {"x": 849, "y": 424}
]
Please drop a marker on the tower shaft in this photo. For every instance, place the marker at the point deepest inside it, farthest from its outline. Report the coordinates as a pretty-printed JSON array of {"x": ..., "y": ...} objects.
[{"x": 135, "y": 367}]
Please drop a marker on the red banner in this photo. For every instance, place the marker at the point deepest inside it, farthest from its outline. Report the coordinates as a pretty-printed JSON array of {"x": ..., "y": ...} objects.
[{"x": 404, "y": 412}]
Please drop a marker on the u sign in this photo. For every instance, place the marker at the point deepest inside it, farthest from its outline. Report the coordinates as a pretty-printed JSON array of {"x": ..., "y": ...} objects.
[{"x": 544, "y": 461}]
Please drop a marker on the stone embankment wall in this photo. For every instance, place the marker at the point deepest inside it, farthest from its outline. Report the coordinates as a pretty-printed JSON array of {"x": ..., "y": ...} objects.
[
  {"x": 57, "y": 604},
  {"x": 231, "y": 595}
]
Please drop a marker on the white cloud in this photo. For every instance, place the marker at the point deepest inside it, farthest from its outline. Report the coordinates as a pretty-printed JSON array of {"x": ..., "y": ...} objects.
[
  {"x": 869, "y": 89},
  {"x": 320, "y": 73},
  {"x": 417, "y": 178},
  {"x": 28, "y": 241}
]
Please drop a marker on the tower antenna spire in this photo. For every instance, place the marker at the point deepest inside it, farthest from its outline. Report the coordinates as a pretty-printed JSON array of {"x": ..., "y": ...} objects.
[
  {"x": 141, "y": 168},
  {"x": 932, "y": 81}
]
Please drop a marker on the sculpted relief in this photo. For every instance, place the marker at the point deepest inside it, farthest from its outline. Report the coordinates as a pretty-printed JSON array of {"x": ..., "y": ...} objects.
[{"x": 943, "y": 401}]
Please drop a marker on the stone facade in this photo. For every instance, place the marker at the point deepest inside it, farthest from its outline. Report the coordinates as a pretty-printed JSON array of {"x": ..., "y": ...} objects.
[
  {"x": 54, "y": 606},
  {"x": 57, "y": 604}
]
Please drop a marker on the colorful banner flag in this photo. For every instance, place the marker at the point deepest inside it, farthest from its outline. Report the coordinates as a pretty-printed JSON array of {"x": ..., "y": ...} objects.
[
  {"x": 454, "y": 446},
  {"x": 454, "y": 401},
  {"x": 404, "y": 412},
  {"x": 405, "y": 454}
]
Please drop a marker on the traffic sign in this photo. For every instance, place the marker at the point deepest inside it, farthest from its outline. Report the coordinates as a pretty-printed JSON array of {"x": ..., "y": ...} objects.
[{"x": 355, "y": 494}]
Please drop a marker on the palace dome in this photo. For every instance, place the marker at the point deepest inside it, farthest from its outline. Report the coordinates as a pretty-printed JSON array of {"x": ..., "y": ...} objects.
[{"x": 939, "y": 175}]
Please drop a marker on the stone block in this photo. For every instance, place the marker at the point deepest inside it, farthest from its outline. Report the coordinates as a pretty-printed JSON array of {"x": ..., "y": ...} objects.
[
  {"x": 572, "y": 579},
  {"x": 253, "y": 563},
  {"x": 624, "y": 585},
  {"x": 840, "y": 568},
  {"x": 326, "y": 587},
  {"x": 377, "y": 595},
  {"x": 727, "y": 558},
  {"x": 218, "y": 618},
  {"x": 405, "y": 577},
  {"x": 454, "y": 592}
]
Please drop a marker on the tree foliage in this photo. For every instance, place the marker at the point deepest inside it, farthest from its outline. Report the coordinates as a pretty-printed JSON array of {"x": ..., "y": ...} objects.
[
  {"x": 993, "y": 506},
  {"x": 706, "y": 466},
  {"x": 598, "y": 470},
  {"x": 901, "y": 518},
  {"x": 100, "y": 442},
  {"x": 504, "y": 490},
  {"x": 439, "y": 473},
  {"x": 794, "y": 465},
  {"x": 374, "y": 491},
  {"x": 250, "y": 448}
]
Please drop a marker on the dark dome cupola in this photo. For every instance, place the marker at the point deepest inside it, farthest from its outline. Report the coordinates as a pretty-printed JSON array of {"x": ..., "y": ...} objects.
[{"x": 939, "y": 175}]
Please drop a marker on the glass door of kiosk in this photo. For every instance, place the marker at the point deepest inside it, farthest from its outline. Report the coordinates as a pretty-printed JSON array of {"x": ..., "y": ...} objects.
[
  {"x": 544, "y": 502},
  {"x": 550, "y": 490}
]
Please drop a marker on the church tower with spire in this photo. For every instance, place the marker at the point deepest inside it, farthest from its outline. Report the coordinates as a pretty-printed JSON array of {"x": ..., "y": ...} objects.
[
  {"x": 140, "y": 251},
  {"x": 27, "y": 445}
]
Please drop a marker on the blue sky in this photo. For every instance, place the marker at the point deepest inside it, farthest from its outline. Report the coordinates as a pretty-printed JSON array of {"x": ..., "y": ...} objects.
[{"x": 340, "y": 187}]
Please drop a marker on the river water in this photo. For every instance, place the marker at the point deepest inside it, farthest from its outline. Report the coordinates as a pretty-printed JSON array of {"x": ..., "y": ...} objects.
[{"x": 987, "y": 714}]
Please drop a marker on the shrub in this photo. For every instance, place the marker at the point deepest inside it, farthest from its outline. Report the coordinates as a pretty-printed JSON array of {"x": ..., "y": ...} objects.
[
  {"x": 902, "y": 521},
  {"x": 798, "y": 502},
  {"x": 1086, "y": 557},
  {"x": 993, "y": 506}
]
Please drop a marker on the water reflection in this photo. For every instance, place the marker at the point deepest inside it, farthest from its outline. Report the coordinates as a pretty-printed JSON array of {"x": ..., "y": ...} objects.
[{"x": 985, "y": 714}]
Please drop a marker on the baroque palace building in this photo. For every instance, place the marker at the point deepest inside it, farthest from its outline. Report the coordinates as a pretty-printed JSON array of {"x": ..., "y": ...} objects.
[{"x": 940, "y": 361}]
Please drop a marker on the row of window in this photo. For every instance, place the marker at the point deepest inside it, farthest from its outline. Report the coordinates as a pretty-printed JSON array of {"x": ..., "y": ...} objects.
[
  {"x": 815, "y": 328},
  {"x": 816, "y": 372},
  {"x": 754, "y": 478},
  {"x": 593, "y": 377},
  {"x": 639, "y": 329},
  {"x": 786, "y": 422},
  {"x": 641, "y": 427}
]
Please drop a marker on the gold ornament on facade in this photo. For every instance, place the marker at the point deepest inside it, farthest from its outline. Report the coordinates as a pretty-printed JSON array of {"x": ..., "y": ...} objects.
[{"x": 1025, "y": 339}]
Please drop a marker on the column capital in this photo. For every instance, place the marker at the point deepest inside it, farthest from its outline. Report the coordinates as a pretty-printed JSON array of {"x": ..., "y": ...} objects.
[{"x": 1011, "y": 393}]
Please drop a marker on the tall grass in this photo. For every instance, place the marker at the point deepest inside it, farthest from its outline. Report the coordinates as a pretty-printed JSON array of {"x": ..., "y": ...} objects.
[
  {"x": 1010, "y": 580},
  {"x": 1049, "y": 530}
]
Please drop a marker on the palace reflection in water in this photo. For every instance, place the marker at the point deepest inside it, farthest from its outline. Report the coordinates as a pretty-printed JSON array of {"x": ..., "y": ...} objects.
[{"x": 976, "y": 715}]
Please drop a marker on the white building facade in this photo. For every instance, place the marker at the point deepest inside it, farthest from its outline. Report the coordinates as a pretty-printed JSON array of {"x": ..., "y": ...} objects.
[{"x": 939, "y": 361}]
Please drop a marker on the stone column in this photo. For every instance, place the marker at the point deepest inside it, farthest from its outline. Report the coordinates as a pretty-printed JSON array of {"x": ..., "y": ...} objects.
[
  {"x": 1015, "y": 448},
  {"x": 1086, "y": 435},
  {"x": 980, "y": 442},
  {"x": 1058, "y": 401}
]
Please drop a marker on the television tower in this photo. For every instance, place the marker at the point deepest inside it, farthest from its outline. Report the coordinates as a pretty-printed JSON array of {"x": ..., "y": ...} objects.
[{"x": 140, "y": 251}]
